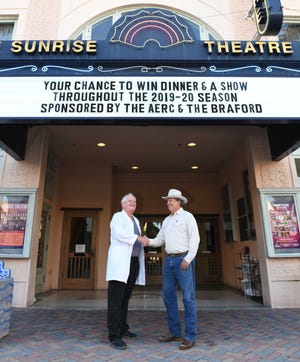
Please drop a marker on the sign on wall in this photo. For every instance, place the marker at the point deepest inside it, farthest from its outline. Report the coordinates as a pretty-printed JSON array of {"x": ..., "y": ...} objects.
[
  {"x": 149, "y": 97},
  {"x": 16, "y": 221},
  {"x": 281, "y": 221}
]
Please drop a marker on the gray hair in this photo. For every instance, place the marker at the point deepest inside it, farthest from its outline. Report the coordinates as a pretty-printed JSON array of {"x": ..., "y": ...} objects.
[{"x": 124, "y": 198}]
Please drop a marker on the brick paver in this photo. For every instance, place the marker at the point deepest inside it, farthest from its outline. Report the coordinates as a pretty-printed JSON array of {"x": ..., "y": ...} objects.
[{"x": 224, "y": 336}]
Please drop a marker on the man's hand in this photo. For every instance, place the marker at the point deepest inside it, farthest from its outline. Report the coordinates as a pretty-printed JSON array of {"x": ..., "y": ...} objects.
[
  {"x": 144, "y": 240},
  {"x": 184, "y": 265}
]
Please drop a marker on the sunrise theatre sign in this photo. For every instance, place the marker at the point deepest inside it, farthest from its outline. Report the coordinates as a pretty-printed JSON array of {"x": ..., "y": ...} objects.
[{"x": 149, "y": 72}]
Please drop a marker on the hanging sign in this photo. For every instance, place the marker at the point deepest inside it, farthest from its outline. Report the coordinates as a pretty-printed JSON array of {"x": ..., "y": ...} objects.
[{"x": 268, "y": 16}]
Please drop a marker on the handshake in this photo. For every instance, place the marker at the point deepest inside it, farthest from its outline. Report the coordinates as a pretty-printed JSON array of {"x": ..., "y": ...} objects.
[{"x": 143, "y": 240}]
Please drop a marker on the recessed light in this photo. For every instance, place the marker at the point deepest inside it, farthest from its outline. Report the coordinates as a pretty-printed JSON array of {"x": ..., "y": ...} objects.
[
  {"x": 195, "y": 167},
  {"x": 134, "y": 167},
  {"x": 192, "y": 144},
  {"x": 101, "y": 144}
]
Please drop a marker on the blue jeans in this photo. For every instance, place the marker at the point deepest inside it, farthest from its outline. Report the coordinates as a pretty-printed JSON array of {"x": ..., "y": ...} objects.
[{"x": 173, "y": 277}]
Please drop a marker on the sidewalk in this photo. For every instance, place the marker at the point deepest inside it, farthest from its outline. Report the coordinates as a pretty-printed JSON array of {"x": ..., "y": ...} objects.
[{"x": 224, "y": 335}]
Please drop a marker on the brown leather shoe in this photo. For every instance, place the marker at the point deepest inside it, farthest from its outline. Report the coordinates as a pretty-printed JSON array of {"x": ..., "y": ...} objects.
[
  {"x": 186, "y": 344},
  {"x": 168, "y": 338}
]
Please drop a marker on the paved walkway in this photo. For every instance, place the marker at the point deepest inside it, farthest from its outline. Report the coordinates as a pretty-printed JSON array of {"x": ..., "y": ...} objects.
[{"x": 224, "y": 335}]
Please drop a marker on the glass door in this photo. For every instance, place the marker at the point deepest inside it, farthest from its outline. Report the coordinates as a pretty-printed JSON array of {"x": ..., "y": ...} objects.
[
  {"x": 154, "y": 257},
  {"x": 79, "y": 250},
  {"x": 207, "y": 266},
  {"x": 208, "y": 260}
]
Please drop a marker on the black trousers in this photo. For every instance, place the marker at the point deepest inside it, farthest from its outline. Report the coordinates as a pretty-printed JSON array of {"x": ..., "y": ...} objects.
[{"x": 118, "y": 297}]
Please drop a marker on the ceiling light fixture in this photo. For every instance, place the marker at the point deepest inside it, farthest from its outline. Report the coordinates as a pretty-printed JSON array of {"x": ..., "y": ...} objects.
[
  {"x": 195, "y": 167},
  {"x": 134, "y": 167},
  {"x": 192, "y": 144},
  {"x": 101, "y": 144}
]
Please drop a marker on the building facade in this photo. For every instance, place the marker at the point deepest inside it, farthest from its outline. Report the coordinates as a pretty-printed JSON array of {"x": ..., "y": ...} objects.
[{"x": 101, "y": 99}]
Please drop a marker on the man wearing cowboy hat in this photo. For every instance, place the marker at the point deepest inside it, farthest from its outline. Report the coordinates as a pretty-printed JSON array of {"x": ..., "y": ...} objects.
[{"x": 180, "y": 234}]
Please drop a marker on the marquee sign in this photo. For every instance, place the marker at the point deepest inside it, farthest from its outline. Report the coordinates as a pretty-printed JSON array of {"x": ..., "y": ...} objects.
[
  {"x": 268, "y": 16},
  {"x": 151, "y": 66},
  {"x": 152, "y": 97},
  {"x": 42, "y": 81}
]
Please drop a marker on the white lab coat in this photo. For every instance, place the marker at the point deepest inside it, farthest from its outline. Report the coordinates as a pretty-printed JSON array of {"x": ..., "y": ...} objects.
[{"x": 122, "y": 238}]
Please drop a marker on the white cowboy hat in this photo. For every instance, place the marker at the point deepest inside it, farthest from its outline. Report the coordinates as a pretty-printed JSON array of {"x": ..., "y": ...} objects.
[{"x": 175, "y": 194}]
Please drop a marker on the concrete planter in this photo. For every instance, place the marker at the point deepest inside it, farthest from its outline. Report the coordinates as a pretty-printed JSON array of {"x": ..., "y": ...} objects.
[{"x": 6, "y": 294}]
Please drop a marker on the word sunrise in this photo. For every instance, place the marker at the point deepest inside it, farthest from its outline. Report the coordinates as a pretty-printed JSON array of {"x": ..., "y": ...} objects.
[{"x": 55, "y": 46}]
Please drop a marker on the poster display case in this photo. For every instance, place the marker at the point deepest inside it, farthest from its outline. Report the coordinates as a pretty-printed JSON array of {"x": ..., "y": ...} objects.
[
  {"x": 16, "y": 221},
  {"x": 281, "y": 209}
]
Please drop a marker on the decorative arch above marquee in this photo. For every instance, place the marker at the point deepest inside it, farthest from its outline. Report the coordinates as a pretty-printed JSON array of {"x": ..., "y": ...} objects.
[
  {"x": 159, "y": 21},
  {"x": 151, "y": 25}
]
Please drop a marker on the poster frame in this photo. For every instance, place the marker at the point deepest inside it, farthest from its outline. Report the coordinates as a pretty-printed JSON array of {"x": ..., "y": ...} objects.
[
  {"x": 25, "y": 250},
  {"x": 269, "y": 239}
]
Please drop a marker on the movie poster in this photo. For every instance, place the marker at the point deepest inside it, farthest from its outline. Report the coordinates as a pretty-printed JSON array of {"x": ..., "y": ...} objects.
[
  {"x": 13, "y": 217},
  {"x": 284, "y": 222}
]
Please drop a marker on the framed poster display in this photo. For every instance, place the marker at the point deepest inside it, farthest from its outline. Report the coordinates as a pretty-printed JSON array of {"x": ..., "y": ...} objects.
[
  {"x": 17, "y": 208},
  {"x": 281, "y": 221}
]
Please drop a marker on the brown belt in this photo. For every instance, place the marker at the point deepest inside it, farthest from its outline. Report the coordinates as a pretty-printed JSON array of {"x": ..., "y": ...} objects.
[{"x": 174, "y": 255}]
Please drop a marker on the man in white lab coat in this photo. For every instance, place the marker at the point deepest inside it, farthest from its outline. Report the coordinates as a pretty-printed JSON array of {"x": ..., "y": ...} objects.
[{"x": 125, "y": 268}]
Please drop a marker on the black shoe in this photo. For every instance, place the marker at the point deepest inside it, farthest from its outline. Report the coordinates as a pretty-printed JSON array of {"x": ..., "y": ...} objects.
[
  {"x": 129, "y": 335},
  {"x": 118, "y": 343}
]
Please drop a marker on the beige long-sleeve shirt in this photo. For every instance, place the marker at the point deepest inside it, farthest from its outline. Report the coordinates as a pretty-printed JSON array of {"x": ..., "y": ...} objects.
[{"x": 179, "y": 233}]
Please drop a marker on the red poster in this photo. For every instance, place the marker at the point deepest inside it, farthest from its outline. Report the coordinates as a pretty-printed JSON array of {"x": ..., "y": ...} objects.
[
  {"x": 284, "y": 223},
  {"x": 13, "y": 216}
]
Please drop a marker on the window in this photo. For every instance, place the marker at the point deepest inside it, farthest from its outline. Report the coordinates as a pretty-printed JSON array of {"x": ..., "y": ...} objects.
[
  {"x": 248, "y": 207},
  {"x": 1, "y": 158},
  {"x": 229, "y": 225},
  {"x": 50, "y": 176},
  {"x": 296, "y": 169},
  {"x": 6, "y": 32},
  {"x": 295, "y": 165},
  {"x": 6, "y": 29},
  {"x": 289, "y": 32}
]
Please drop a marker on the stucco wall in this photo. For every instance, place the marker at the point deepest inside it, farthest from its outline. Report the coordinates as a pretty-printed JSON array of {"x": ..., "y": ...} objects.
[
  {"x": 232, "y": 173},
  {"x": 226, "y": 19},
  {"x": 281, "y": 276},
  {"x": 150, "y": 187},
  {"x": 27, "y": 174}
]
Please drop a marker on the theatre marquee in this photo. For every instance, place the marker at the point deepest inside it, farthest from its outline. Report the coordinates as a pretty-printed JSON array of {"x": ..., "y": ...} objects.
[{"x": 191, "y": 97}]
